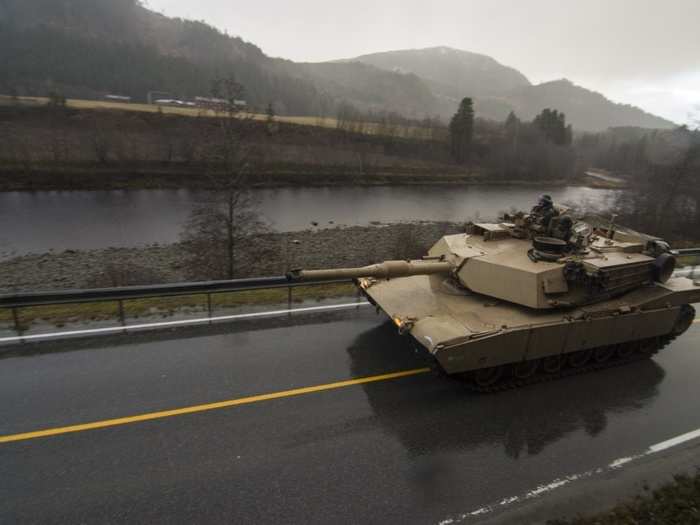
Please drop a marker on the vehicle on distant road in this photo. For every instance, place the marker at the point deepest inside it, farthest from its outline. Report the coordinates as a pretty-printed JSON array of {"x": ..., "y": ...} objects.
[
  {"x": 118, "y": 98},
  {"x": 174, "y": 102}
]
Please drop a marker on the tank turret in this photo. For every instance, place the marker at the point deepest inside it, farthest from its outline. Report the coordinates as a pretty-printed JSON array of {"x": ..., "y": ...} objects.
[{"x": 540, "y": 272}]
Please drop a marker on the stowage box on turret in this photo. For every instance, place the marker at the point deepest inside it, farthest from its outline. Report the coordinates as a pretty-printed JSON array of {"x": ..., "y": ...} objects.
[{"x": 523, "y": 299}]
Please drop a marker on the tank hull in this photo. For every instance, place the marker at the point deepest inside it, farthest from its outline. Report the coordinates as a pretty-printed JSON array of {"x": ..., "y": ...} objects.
[
  {"x": 555, "y": 339},
  {"x": 467, "y": 332}
]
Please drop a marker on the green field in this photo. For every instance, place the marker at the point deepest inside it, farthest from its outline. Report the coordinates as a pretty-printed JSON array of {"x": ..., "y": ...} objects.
[{"x": 323, "y": 122}]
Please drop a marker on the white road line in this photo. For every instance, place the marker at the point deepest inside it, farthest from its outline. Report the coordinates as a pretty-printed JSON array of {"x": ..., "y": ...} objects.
[
  {"x": 674, "y": 441},
  {"x": 560, "y": 482},
  {"x": 183, "y": 322}
]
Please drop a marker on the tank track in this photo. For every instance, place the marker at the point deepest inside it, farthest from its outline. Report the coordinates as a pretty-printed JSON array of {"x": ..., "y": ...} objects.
[
  {"x": 639, "y": 350},
  {"x": 509, "y": 381}
]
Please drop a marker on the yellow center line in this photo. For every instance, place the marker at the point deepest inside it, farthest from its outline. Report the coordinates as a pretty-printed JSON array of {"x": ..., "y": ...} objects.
[{"x": 210, "y": 406}]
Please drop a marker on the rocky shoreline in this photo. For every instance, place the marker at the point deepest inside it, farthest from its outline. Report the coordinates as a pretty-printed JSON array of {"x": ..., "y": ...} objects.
[{"x": 157, "y": 264}]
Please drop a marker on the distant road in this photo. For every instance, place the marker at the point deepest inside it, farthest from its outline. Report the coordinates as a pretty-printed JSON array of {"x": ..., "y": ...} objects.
[
  {"x": 324, "y": 122},
  {"x": 155, "y": 108},
  {"x": 606, "y": 177},
  {"x": 323, "y": 418}
]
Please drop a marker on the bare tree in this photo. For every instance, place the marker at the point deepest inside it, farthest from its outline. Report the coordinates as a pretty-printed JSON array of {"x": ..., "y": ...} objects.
[
  {"x": 164, "y": 127},
  {"x": 102, "y": 140},
  {"x": 58, "y": 144},
  {"x": 225, "y": 223}
]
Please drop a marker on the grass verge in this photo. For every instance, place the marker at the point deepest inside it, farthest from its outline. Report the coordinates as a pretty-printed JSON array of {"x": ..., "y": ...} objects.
[
  {"x": 63, "y": 314},
  {"x": 677, "y": 503}
]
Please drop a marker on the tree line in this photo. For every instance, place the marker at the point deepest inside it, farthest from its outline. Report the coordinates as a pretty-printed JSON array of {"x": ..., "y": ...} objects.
[
  {"x": 662, "y": 170},
  {"x": 513, "y": 149}
]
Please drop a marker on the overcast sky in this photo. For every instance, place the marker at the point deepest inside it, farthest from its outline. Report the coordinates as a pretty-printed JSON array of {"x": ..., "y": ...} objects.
[{"x": 642, "y": 52}]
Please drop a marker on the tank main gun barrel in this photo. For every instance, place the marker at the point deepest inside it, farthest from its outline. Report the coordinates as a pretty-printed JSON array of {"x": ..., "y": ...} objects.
[{"x": 385, "y": 270}]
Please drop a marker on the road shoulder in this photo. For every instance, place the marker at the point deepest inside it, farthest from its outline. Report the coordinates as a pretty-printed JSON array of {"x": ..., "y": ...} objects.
[{"x": 601, "y": 492}]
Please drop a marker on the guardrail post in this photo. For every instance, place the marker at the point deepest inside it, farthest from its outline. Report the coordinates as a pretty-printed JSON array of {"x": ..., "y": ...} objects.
[
  {"x": 289, "y": 298},
  {"x": 122, "y": 317},
  {"x": 15, "y": 318},
  {"x": 209, "y": 306}
]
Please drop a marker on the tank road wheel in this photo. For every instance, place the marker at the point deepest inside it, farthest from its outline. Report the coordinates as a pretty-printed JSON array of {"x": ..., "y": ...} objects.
[
  {"x": 525, "y": 369},
  {"x": 625, "y": 350},
  {"x": 579, "y": 359},
  {"x": 603, "y": 353},
  {"x": 649, "y": 346},
  {"x": 552, "y": 364},
  {"x": 685, "y": 319},
  {"x": 485, "y": 377}
]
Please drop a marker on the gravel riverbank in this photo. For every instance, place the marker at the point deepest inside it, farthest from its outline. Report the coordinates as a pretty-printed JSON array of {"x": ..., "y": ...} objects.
[{"x": 319, "y": 248}]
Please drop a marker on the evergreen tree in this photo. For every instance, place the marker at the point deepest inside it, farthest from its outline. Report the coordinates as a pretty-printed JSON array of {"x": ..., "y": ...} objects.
[
  {"x": 512, "y": 128},
  {"x": 552, "y": 124},
  {"x": 512, "y": 121},
  {"x": 462, "y": 131}
]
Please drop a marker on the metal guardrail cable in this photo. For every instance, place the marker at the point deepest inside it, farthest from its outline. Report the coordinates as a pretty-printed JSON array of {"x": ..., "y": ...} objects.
[{"x": 688, "y": 252}]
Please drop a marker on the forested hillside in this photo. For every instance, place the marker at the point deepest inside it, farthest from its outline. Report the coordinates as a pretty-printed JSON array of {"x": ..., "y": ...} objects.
[
  {"x": 88, "y": 48},
  {"x": 92, "y": 47}
]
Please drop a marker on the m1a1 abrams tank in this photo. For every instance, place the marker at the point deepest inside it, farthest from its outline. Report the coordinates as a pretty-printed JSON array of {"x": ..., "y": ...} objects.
[{"x": 507, "y": 303}]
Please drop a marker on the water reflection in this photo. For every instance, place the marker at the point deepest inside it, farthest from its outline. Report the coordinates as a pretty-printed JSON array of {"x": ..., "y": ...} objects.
[{"x": 439, "y": 415}]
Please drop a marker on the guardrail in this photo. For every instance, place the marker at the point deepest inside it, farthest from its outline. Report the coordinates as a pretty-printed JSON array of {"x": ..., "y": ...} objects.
[
  {"x": 15, "y": 302},
  {"x": 688, "y": 252},
  {"x": 159, "y": 290}
]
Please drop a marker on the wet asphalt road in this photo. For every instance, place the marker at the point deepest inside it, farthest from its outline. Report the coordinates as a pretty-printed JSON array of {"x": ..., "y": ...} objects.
[{"x": 418, "y": 449}]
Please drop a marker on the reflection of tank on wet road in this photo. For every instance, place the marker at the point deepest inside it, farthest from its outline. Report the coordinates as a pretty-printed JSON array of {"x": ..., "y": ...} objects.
[{"x": 446, "y": 417}]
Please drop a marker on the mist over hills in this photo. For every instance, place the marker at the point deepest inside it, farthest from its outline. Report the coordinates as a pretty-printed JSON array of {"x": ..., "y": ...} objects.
[
  {"x": 451, "y": 72},
  {"x": 87, "y": 48},
  {"x": 499, "y": 89}
]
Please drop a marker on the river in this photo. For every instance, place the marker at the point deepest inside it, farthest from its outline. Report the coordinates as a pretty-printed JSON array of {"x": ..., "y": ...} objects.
[{"x": 36, "y": 222}]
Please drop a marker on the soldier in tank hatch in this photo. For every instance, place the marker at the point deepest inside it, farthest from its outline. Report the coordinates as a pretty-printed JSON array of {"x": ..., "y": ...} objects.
[
  {"x": 561, "y": 228},
  {"x": 541, "y": 215}
]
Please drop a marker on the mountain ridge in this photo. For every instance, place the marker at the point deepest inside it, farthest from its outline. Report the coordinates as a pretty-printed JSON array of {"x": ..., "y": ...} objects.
[
  {"x": 499, "y": 89},
  {"x": 440, "y": 64},
  {"x": 133, "y": 50}
]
